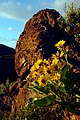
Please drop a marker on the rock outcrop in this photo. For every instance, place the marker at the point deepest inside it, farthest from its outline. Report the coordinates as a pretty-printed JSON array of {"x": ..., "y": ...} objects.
[
  {"x": 7, "y": 66},
  {"x": 37, "y": 40},
  {"x": 14, "y": 97}
]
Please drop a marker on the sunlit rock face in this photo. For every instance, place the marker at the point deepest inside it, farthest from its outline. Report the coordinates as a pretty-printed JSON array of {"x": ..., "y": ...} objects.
[{"x": 37, "y": 40}]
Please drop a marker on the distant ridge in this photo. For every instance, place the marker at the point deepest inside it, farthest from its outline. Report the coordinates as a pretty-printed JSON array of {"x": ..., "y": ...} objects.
[
  {"x": 6, "y": 50},
  {"x": 7, "y": 64}
]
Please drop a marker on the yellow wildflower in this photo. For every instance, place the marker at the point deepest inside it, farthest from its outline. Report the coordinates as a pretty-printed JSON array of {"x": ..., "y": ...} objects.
[
  {"x": 61, "y": 54},
  {"x": 60, "y": 44},
  {"x": 55, "y": 61},
  {"x": 39, "y": 61},
  {"x": 50, "y": 69},
  {"x": 57, "y": 76},
  {"x": 28, "y": 77},
  {"x": 67, "y": 48},
  {"x": 45, "y": 69},
  {"x": 57, "y": 54},
  {"x": 42, "y": 80},
  {"x": 45, "y": 61},
  {"x": 34, "y": 74},
  {"x": 53, "y": 56},
  {"x": 34, "y": 67},
  {"x": 40, "y": 70},
  {"x": 52, "y": 76}
]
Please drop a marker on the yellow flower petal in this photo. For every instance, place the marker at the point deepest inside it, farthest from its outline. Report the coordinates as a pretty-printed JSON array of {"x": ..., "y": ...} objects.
[
  {"x": 57, "y": 76},
  {"x": 39, "y": 61},
  {"x": 60, "y": 44},
  {"x": 61, "y": 54},
  {"x": 67, "y": 48},
  {"x": 45, "y": 61},
  {"x": 55, "y": 61},
  {"x": 42, "y": 80}
]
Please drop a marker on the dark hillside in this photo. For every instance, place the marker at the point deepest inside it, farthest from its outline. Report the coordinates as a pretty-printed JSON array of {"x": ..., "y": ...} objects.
[{"x": 7, "y": 69}]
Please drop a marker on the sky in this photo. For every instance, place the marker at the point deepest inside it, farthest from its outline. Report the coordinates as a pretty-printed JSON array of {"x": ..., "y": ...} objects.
[{"x": 15, "y": 13}]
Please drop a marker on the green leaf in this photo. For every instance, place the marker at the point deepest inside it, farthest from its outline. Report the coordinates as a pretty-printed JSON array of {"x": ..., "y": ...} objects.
[
  {"x": 62, "y": 90},
  {"x": 45, "y": 101},
  {"x": 53, "y": 87},
  {"x": 42, "y": 89},
  {"x": 64, "y": 71}
]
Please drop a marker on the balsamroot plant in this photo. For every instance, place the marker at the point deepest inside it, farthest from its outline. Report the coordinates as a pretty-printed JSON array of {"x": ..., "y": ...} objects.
[{"x": 53, "y": 83}]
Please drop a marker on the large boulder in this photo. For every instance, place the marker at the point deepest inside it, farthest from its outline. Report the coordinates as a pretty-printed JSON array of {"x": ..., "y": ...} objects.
[
  {"x": 7, "y": 64},
  {"x": 37, "y": 40}
]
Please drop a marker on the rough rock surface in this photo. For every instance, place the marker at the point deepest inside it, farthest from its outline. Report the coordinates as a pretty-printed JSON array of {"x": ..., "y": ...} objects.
[
  {"x": 37, "y": 40},
  {"x": 14, "y": 97}
]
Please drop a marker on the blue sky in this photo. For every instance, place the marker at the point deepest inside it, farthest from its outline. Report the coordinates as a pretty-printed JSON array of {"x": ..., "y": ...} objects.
[{"x": 15, "y": 13}]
